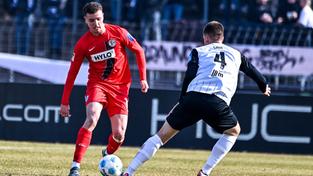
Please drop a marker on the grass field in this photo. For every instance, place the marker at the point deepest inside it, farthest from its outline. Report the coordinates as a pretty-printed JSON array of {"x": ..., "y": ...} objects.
[{"x": 40, "y": 159}]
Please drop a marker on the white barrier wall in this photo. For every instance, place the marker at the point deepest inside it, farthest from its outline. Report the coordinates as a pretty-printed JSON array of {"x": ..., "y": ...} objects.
[{"x": 51, "y": 70}]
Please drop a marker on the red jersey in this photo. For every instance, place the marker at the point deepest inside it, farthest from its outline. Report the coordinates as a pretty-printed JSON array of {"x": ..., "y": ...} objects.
[{"x": 107, "y": 57}]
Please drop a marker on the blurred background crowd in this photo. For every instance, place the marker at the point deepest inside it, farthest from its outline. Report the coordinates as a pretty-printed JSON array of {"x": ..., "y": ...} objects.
[
  {"x": 147, "y": 19},
  {"x": 50, "y": 28}
]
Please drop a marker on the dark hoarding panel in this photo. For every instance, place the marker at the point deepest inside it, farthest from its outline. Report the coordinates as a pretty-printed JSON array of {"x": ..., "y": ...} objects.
[{"x": 279, "y": 124}]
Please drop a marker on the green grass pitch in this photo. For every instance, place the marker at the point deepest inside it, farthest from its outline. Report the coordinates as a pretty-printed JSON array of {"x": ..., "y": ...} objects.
[{"x": 47, "y": 159}]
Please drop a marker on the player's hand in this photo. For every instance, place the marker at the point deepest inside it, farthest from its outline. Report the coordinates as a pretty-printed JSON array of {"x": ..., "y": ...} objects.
[
  {"x": 65, "y": 110},
  {"x": 267, "y": 91},
  {"x": 144, "y": 86}
]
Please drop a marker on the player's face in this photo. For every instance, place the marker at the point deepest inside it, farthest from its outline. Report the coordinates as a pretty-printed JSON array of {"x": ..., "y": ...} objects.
[{"x": 95, "y": 22}]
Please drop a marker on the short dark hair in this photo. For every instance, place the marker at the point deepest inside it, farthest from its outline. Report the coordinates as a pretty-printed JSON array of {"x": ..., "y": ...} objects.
[
  {"x": 214, "y": 29},
  {"x": 91, "y": 8}
]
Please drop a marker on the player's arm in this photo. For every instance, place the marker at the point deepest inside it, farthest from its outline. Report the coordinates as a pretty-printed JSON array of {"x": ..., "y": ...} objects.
[
  {"x": 76, "y": 63},
  {"x": 132, "y": 44},
  {"x": 191, "y": 72},
  {"x": 253, "y": 73}
]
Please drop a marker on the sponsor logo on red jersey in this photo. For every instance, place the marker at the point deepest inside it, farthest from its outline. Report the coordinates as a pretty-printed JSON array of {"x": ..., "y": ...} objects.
[
  {"x": 112, "y": 43},
  {"x": 103, "y": 55}
]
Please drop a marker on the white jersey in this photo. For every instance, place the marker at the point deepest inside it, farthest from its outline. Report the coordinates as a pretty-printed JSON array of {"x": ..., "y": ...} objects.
[{"x": 218, "y": 71}]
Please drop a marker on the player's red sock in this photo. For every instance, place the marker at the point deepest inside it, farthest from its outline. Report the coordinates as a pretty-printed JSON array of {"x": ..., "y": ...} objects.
[
  {"x": 82, "y": 143},
  {"x": 113, "y": 145}
]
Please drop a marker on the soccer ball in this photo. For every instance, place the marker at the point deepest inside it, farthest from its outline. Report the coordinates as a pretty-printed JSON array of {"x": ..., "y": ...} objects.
[{"x": 110, "y": 165}]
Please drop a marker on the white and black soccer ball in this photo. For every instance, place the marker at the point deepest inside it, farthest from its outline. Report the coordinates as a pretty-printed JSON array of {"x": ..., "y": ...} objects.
[{"x": 110, "y": 165}]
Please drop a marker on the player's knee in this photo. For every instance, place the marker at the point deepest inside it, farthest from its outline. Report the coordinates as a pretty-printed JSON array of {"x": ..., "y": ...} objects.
[
  {"x": 91, "y": 119},
  {"x": 91, "y": 113},
  {"x": 90, "y": 123},
  {"x": 237, "y": 130},
  {"x": 234, "y": 131}
]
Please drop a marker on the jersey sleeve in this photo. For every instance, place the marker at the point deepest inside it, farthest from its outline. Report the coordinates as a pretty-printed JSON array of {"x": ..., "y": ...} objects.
[
  {"x": 191, "y": 72},
  {"x": 76, "y": 62},
  {"x": 132, "y": 44},
  {"x": 253, "y": 73}
]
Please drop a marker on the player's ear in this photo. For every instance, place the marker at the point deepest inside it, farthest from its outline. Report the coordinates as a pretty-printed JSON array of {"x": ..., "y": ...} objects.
[
  {"x": 222, "y": 38},
  {"x": 85, "y": 18},
  {"x": 206, "y": 39}
]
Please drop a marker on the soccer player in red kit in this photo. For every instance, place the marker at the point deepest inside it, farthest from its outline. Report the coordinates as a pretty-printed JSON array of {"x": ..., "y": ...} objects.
[{"x": 108, "y": 80}]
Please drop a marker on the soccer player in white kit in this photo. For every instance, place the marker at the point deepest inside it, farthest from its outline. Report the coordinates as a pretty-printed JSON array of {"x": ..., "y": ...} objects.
[{"x": 209, "y": 84}]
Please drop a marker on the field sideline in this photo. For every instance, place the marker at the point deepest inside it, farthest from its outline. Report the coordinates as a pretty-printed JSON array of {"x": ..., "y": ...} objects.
[{"x": 44, "y": 159}]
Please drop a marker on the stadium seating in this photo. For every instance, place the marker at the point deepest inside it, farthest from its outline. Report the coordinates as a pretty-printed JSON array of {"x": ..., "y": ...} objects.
[{"x": 185, "y": 31}]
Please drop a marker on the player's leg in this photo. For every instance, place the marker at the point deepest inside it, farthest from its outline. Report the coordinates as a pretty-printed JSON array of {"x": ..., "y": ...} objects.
[
  {"x": 93, "y": 111},
  {"x": 224, "y": 121},
  {"x": 150, "y": 147},
  {"x": 117, "y": 108},
  {"x": 179, "y": 117},
  {"x": 220, "y": 149},
  {"x": 116, "y": 138}
]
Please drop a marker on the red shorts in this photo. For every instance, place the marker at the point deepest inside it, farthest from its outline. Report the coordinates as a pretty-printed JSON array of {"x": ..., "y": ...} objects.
[{"x": 114, "y": 98}]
